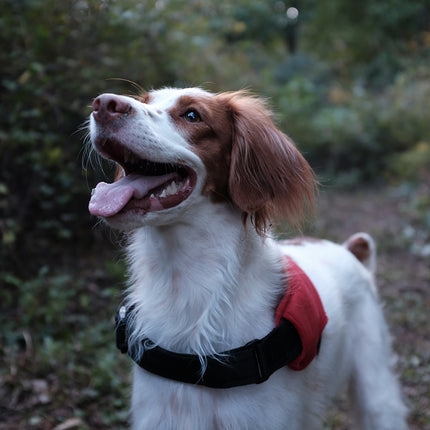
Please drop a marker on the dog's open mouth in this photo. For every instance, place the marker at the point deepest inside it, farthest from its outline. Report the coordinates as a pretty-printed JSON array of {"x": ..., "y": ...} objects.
[{"x": 147, "y": 186}]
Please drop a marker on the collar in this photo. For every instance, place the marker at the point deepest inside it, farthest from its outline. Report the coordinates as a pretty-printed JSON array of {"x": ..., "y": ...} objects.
[{"x": 300, "y": 320}]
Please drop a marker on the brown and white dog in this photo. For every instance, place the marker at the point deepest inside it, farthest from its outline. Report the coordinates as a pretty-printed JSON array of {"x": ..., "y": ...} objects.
[{"x": 200, "y": 179}]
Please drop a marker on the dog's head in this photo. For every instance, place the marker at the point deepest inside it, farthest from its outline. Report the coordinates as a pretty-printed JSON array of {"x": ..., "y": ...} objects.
[{"x": 178, "y": 147}]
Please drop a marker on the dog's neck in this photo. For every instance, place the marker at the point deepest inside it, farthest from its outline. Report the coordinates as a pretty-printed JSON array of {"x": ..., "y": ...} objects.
[{"x": 191, "y": 288}]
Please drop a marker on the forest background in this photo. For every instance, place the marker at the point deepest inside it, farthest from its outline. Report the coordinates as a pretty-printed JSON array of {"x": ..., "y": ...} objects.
[{"x": 348, "y": 81}]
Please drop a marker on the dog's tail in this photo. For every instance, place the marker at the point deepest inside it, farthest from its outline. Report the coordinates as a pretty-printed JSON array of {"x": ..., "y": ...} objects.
[{"x": 363, "y": 247}]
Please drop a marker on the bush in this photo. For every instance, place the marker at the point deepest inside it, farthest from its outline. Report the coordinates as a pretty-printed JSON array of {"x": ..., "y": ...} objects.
[
  {"x": 350, "y": 132},
  {"x": 58, "y": 57}
]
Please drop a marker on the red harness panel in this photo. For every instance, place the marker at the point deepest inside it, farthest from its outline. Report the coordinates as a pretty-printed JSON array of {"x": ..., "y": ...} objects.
[{"x": 302, "y": 306}]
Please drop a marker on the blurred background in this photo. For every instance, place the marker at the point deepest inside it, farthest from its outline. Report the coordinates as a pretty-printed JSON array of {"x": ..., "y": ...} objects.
[{"x": 348, "y": 81}]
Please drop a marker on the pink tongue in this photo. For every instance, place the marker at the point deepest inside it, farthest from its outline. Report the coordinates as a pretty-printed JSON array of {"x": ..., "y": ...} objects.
[{"x": 109, "y": 199}]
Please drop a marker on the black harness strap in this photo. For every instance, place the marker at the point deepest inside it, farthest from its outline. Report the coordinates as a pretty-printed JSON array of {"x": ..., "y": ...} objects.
[{"x": 252, "y": 363}]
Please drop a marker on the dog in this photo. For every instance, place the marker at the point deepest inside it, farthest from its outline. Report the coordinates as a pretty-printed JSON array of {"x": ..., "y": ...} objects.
[{"x": 229, "y": 328}]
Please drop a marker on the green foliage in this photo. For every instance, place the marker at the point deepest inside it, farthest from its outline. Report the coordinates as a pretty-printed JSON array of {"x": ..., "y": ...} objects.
[
  {"x": 348, "y": 132},
  {"x": 365, "y": 39},
  {"x": 57, "y": 56},
  {"x": 55, "y": 330},
  {"x": 410, "y": 164}
]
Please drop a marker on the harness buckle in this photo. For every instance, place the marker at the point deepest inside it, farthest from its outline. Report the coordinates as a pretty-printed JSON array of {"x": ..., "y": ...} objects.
[{"x": 120, "y": 328}]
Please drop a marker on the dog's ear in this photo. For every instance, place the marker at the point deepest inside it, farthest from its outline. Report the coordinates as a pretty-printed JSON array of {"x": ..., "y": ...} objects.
[{"x": 269, "y": 178}]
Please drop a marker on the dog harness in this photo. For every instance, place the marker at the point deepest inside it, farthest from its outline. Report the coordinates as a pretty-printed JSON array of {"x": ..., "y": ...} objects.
[{"x": 294, "y": 342}]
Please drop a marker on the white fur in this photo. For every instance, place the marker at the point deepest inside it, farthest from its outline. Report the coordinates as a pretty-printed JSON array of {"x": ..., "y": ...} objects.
[{"x": 203, "y": 284}]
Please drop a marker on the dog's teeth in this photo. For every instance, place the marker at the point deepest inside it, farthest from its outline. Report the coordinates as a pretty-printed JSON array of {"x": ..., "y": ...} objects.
[
  {"x": 152, "y": 196},
  {"x": 171, "y": 189}
]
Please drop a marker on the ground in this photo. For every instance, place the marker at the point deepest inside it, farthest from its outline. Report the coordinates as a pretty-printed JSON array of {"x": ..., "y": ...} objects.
[{"x": 59, "y": 369}]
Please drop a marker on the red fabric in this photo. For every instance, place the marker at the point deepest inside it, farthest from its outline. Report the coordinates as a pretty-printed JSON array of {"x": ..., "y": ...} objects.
[{"x": 302, "y": 306}]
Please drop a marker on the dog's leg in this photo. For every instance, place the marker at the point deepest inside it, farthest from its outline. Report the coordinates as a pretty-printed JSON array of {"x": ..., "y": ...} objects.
[{"x": 374, "y": 388}]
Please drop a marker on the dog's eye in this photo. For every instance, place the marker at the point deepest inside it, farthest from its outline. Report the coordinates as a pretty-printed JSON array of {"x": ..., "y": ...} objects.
[{"x": 191, "y": 116}]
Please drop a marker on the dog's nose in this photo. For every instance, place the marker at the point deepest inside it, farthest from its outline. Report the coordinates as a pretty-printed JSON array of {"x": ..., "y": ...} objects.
[{"x": 109, "y": 107}]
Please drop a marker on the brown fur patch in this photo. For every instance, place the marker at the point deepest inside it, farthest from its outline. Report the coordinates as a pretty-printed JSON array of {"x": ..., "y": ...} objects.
[
  {"x": 269, "y": 178},
  {"x": 211, "y": 139},
  {"x": 249, "y": 161}
]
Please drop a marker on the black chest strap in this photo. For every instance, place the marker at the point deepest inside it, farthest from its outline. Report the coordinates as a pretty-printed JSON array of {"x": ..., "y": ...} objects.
[{"x": 252, "y": 363}]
